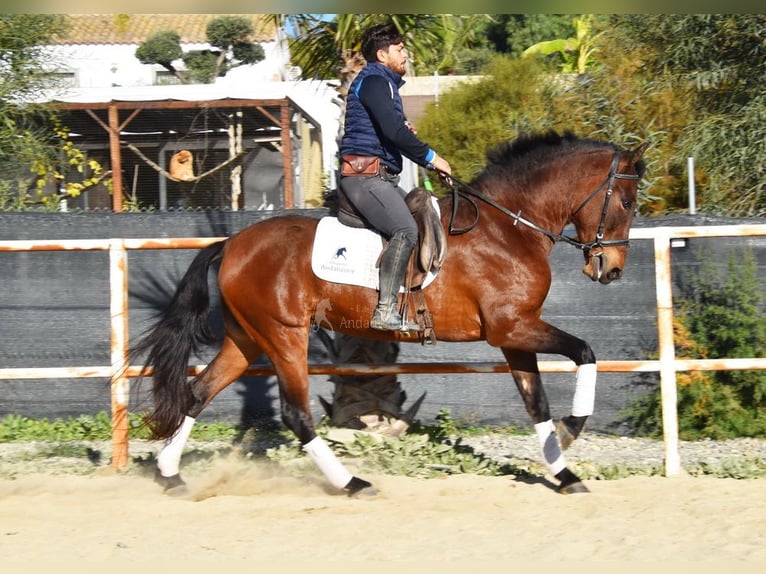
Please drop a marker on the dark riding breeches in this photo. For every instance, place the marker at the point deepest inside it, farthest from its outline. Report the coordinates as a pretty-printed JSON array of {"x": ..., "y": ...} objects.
[{"x": 381, "y": 202}]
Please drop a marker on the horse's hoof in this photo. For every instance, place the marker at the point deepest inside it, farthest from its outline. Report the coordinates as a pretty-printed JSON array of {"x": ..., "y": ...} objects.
[
  {"x": 171, "y": 485},
  {"x": 359, "y": 487},
  {"x": 573, "y": 488},
  {"x": 570, "y": 483}
]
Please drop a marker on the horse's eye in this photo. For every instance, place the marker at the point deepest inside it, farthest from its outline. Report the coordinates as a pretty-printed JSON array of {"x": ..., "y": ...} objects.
[{"x": 627, "y": 204}]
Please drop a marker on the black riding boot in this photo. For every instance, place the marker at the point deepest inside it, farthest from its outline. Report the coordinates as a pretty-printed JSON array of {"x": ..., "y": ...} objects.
[{"x": 393, "y": 266}]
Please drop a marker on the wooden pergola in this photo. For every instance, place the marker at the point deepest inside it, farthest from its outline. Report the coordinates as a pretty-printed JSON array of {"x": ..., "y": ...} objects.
[{"x": 121, "y": 121}]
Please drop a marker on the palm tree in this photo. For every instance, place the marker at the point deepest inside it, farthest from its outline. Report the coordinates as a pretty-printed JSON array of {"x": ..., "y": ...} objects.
[{"x": 331, "y": 49}]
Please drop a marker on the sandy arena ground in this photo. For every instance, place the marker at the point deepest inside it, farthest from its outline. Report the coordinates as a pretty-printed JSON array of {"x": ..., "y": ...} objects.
[{"x": 238, "y": 510}]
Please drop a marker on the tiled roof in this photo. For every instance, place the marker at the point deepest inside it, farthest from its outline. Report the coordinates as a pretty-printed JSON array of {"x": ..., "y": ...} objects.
[{"x": 135, "y": 28}]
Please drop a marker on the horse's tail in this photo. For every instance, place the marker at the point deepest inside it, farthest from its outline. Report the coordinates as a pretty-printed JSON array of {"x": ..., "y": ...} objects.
[{"x": 182, "y": 328}]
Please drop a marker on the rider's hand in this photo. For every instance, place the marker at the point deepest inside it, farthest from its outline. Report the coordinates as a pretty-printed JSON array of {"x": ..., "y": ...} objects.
[{"x": 442, "y": 167}]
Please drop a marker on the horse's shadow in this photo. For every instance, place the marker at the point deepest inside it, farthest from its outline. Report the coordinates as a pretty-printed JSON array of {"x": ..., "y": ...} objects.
[
  {"x": 257, "y": 450},
  {"x": 535, "y": 479}
]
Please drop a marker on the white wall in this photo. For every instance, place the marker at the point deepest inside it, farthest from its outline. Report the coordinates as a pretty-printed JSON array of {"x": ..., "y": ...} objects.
[{"x": 103, "y": 66}]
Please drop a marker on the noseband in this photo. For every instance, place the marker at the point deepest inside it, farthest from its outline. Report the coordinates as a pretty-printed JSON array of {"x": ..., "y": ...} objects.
[{"x": 462, "y": 189}]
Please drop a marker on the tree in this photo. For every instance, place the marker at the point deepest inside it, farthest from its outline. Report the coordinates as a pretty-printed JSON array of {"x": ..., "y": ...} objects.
[
  {"x": 449, "y": 47},
  {"x": 332, "y": 49},
  {"x": 231, "y": 45},
  {"x": 576, "y": 51},
  {"x": 689, "y": 84},
  {"x": 513, "y": 96},
  {"x": 718, "y": 316},
  {"x": 29, "y": 149},
  {"x": 511, "y": 34},
  {"x": 715, "y": 64},
  {"x": 23, "y": 78}
]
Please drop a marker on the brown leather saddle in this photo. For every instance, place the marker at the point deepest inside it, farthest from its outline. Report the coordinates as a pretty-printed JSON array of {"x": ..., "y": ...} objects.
[{"x": 429, "y": 254}]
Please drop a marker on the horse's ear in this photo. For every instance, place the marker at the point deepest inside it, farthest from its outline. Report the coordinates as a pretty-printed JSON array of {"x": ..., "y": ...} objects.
[{"x": 638, "y": 153}]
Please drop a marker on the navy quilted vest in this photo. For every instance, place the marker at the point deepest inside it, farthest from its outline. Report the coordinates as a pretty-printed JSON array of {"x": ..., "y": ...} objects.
[{"x": 360, "y": 136}]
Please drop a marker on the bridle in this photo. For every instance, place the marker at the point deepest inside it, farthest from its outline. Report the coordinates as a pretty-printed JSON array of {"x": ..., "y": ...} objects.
[{"x": 464, "y": 190}]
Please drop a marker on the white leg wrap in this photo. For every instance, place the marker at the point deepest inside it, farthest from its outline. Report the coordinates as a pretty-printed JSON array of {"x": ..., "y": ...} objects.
[
  {"x": 585, "y": 390},
  {"x": 169, "y": 458},
  {"x": 549, "y": 444},
  {"x": 328, "y": 463}
]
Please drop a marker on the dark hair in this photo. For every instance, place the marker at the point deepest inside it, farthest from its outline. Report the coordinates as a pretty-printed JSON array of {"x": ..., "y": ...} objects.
[{"x": 379, "y": 37}]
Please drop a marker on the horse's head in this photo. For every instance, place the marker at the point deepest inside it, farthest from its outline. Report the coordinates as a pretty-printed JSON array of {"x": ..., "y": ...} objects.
[{"x": 604, "y": 217}]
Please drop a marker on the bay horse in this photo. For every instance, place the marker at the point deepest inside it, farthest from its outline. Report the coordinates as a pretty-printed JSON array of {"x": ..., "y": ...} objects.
[{"x": 491, "y": 286}]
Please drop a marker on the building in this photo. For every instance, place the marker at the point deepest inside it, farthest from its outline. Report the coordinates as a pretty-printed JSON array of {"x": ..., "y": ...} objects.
[
  {"x": 257, "y": 138},
  {"x": 99, "y": 50}
]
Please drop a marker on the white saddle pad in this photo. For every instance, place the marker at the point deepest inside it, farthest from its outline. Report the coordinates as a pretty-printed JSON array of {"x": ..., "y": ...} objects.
[{"x": 348, "y": 255}]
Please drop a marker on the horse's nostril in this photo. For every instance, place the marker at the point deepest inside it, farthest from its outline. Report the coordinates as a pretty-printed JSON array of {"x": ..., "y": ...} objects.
[{"x": 615, "y": 274}]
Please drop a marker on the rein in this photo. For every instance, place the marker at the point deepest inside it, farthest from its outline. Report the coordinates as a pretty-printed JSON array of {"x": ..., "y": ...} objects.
[{"x": 463, "y": 189}]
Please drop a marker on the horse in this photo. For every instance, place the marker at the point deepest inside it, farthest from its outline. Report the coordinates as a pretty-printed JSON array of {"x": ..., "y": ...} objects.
[{"x": 491, "y": 287}]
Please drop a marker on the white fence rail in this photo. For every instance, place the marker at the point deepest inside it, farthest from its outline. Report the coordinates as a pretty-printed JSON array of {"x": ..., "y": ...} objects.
[{"x": 120, "y": 373}]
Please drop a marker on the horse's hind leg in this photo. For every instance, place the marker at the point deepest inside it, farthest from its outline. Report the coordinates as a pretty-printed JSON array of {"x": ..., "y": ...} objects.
[
  {"x": 229, "y": 364},
  {"x": 527, "y": 378},
  {"x": 291, "y": 366}
]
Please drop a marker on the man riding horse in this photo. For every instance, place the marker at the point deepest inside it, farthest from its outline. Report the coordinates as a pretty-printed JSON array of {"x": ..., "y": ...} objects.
[{"x": 375, "y": 138}]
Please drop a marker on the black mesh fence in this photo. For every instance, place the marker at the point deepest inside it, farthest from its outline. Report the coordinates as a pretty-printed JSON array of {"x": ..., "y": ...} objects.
[{"x": 54, "y": 312}]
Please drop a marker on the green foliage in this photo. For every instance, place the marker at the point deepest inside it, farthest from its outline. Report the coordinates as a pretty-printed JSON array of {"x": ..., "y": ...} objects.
[
  {"x": 228, "y": 31},
  {"x": 426, "y": 451},
  {"x": 688, "y": 84},
  {"x": 36, "y": 154},
  {"x": 17, "y": 428},
  {"x": 717, "y": 317},
  {"x": 231, "y": 46},
  {"x": 513, "y": 97},
  {"x": 23, "y": 56},
  {"x": 232, "y": 35},
  {"x": 576, "y": 52},
  {"x": 435, "y": 42},
  {"x": 161, "y": 48},
  {"x": 512, "y": 33},
  {"x": 23, "y": 139},
  {"x": 47, "y": 166},
  {"x": 455, "y": 38},
  {"x": 418, "y": 455},
  {"x": 201, "y": 66},
  {"x": 751, "y": 467},
  {"x": 716, "y": 64}
]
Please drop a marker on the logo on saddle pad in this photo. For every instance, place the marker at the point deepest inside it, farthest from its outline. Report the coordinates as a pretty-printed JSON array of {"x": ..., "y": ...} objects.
[{"x": 348, "y": 255}]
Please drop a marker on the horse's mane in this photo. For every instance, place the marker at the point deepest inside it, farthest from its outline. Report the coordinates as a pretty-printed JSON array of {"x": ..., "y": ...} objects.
[{"x": 518, "y": 159}]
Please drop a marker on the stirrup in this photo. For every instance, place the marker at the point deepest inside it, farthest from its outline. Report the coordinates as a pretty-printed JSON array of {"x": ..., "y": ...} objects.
[{"x": 386, "y": 319}]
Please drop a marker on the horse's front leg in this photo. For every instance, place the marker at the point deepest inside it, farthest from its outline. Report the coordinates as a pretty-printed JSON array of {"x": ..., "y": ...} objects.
[
  {"x": 541, "y": 337},
  {"x": 584, "y": 399},
  {"x": 526, "y": 375},
  {"x": 570, "y": 427}
]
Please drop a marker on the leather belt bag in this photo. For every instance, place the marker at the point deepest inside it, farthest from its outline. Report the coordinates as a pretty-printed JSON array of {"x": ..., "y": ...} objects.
[{"x": 359, "y": 165}]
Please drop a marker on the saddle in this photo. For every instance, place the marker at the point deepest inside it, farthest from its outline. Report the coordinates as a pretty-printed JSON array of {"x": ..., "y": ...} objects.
[{"x": 431, "y": 250}]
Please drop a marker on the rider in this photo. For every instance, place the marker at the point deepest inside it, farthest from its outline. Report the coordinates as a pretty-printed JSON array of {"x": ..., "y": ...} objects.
[{"x": 376, "y": 129}]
